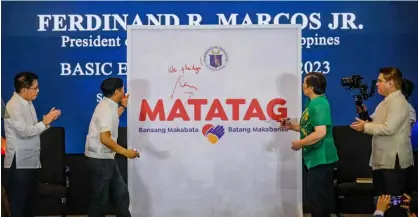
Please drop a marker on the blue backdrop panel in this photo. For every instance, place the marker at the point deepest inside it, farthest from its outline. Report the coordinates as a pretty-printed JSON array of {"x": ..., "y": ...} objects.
[{"x": 379, "y": 34}]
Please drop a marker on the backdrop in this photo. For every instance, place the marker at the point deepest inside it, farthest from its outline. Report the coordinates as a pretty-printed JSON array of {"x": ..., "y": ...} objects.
[
  {"x": 73, "y": 46},
  {"x": 214, "y": 135}
]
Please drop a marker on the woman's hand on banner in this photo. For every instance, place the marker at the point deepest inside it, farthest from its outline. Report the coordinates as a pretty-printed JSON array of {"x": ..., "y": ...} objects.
[
  {"x": 296, "y": 145},
  {"x": 285, "y": 123}
]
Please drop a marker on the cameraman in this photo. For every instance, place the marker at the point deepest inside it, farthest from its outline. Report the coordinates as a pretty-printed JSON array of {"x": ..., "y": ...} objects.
[
  {"x": 391, "y": 146},
  {"x": 407, "y": 87}
]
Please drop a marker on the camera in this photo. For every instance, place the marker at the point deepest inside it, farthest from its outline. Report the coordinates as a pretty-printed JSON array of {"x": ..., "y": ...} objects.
[
  {"x": 356, "y": 82},
  {"x": 394, "y": 200}
]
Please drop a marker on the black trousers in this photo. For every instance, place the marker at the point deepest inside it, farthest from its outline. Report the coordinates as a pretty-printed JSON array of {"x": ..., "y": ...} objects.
[
  {"x": 320, "y": 190},
  {"x": 107, "y": 183},
  {"x": 392, "y": 182},
  {"x": 22, "y": 190}
]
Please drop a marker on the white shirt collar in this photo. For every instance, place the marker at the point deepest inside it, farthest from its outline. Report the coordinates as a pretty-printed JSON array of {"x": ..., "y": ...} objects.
[
  {"x": 390, "y": 96},
  {"x": 111, "y": 102}
]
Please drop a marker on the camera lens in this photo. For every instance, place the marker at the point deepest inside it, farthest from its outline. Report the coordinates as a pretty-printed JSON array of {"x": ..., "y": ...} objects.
[{"x": 346, "y": 81}]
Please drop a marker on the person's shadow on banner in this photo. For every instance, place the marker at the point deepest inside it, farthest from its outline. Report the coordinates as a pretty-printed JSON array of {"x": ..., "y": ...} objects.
[
  {"x": 140, "y": 199},
  {"x": 286, "y": 177}
]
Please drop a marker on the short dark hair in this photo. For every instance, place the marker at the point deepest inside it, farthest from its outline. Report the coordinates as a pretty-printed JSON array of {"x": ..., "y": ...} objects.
[
  {"x": 24, "y": 80},
  {"x": 407, "y": 88},
  {"x": 110, "y": 85},
  {"x": 394, "y": 74},
  {"x": 317, "y": 81}
]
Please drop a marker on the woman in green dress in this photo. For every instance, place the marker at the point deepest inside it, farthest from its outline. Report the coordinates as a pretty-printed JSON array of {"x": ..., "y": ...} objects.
[{"x": 317, "y": 144}]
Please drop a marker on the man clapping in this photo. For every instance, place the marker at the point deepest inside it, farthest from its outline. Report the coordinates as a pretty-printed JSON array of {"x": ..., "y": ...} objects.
[{"x": 23, "y": 132}]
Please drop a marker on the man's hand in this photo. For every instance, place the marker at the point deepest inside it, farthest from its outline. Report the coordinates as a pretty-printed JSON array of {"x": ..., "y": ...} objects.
[
  {"x": 383, "y": 203},
  {"x": 121, "y": 109},
  {"x": 130, "y": 153},
  {"x": 361, "y": 109},
  {"x": 358, "y": 125},
  {"x": 406, "y": 202},
  {"x": 124, "y": 101},
  {"x": 51, "y": 116},
  {"x": 58, "y": 114}
]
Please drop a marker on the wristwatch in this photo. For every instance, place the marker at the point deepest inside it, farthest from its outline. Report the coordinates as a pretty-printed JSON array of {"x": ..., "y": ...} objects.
[{"x": 120, "y": 105}]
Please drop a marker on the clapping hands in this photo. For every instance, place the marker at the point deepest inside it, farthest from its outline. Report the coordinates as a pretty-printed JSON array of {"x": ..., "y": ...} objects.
[{"x": 53, "y": 115}]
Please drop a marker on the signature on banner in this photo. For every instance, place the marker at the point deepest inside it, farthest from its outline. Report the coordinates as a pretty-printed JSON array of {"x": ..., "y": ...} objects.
[{"x": 181, "y": 82}]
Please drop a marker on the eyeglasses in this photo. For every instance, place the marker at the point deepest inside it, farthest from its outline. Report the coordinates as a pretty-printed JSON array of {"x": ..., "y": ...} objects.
[{"x": 34, "y": 88}]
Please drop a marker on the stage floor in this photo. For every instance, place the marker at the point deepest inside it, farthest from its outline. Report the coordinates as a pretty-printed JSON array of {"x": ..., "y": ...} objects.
[{"x": 306, "y": 215}]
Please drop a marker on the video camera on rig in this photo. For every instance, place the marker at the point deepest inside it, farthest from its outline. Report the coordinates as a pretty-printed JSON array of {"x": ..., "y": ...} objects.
[{"x": 356, "y": 82}]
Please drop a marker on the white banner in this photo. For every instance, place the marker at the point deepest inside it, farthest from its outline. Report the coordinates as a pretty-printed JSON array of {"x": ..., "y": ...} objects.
[{"x": 203, "y": 106}]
